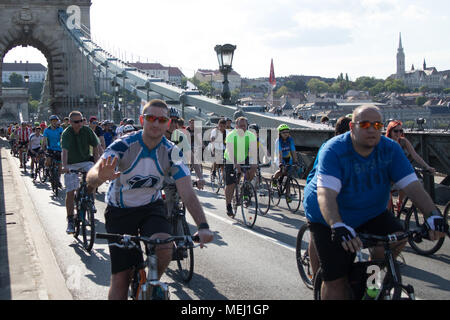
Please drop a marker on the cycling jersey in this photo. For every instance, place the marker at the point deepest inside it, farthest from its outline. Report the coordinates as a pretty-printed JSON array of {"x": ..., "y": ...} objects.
[
  {"x": 54, "y": 138},
  {"x": 142, "y": 170},
  {"x": 36, "y": 141},
  {"x": 23, "y": 134},
  {"x": 241, "y": 145},
  {"x": 362, "y": 183},
  {"x": 285, "y": 148}
]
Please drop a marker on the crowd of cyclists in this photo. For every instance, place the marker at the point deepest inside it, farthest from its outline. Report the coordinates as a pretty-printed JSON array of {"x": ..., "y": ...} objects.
[{"x": 346, "y": 192}]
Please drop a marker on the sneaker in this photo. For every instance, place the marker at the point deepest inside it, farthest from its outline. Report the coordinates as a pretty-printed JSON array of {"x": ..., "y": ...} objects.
[
  {"x": 230, "y": 210},
  {"x": 70, "y": 226},
  {"x": 274, "y": 183}
]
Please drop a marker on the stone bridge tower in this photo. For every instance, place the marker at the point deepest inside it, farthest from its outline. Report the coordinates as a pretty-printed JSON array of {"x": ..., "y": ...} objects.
[{"x": 35, "y": 23}]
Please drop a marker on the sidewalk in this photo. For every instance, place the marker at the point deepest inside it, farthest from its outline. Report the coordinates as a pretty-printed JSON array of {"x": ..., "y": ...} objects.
[{"x": 28, "y": 269}]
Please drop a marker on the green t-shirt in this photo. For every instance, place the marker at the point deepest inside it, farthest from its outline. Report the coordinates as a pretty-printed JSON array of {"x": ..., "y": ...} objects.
[
  {"x": 241, "y": 145},
  {"x": 78, "y": 145}
]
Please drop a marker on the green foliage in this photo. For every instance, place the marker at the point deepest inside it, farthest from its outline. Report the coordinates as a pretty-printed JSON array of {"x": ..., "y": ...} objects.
[
  {"x": 318, "y": 86},
  {"x": 16, "y": 80},
  {"x": 421, "y": 100},
  {"x": 283, "y": 90}
]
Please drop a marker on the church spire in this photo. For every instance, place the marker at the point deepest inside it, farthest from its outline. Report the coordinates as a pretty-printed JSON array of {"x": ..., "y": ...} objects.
[
  {"x": 400, "y": 58},
  {"x": 424, "y": 64}
]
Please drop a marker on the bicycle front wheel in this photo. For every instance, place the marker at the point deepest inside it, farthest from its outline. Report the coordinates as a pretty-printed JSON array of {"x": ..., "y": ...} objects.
[
  {"x": 294, "y": 198},
  {"x": 414, "y": 219},
  {"x": 249, "y": 207},
  {"x": 302, "y": 255},
  {"x": 185, "y": 256},
  {"x": 264, "y": 194}
]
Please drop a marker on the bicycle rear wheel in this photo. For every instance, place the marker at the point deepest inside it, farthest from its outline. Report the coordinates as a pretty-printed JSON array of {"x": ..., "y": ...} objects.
[
  {"x": 264, "y": 194},
  {"x": 249, "y": 205},
  {"x": 295, "y": 195},
  {"x": 88, "y": 228},
  {"x": 302, "y": 255},
  {"x": 54, "y": 181},
  {"x": 414, "y": 219}
]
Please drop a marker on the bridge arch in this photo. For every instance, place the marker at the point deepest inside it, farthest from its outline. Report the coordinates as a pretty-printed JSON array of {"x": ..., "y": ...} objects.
[{"x": 35, "y": 23}]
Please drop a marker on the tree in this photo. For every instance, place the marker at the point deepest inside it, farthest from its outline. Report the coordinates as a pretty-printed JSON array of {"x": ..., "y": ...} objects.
[
  {"x": 421, "y": 100},
  {"x": 318, "y": 86},
  {"x": 283, "y": 90},
  {"x": 395, "y": 85},
  {"x": 446, "y": 91},
  {"x": 16, "y": 80}
]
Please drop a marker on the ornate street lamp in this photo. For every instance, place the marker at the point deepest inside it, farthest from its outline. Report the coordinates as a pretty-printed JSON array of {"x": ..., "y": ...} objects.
[
  {"x": 420, "y": 122},
  {"x": 225, "y": 55},
  {"x": 116, "y": 113}
]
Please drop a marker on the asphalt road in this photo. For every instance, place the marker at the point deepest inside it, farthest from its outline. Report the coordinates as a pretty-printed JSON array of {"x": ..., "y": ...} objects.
[{"x": 240, "y": 264}]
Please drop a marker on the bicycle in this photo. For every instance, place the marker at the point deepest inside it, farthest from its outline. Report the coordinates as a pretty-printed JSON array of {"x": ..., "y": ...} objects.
[
  {"x": 302, "y": 256},
  {"x": 39, "y": 166},
  {"x": 84, "y": 218},
  {"x": 144, "y": 284},
  {"x": 415, "y": 220},
  {"x": 24, "y": 156},
  {"x": 53, "y": 175},
  {"x": 391, "y": 286},
  {"x": 182, "y": 255},
  {"x": 245, "y": 197},
  {"x": 287, "y": 182},
  {"x": 217, "y": 181},
  {"x": 263, "y": 190}
]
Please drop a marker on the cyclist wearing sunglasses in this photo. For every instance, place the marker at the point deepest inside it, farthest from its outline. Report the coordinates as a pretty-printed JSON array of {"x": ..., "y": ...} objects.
[
  {"x": 76, "y": 142},
  {"x": 137, "y": 165},
  {"x": 349, "y": 193},
  {"x": 394, "y": 131}
]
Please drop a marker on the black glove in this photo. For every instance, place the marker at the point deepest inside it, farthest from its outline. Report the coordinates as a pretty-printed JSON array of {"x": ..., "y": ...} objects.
[
  {"x": 436, "y": 223},
  {"x": 340, "y": 232}
]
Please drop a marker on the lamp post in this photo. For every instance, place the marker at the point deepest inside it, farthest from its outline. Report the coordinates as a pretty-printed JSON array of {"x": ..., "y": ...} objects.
[
  {"x": 225, "y": 55},
  {"x": 116, "y": 113}
]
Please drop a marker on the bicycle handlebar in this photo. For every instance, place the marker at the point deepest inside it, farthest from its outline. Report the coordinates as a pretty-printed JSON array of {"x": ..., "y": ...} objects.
[
  {"x": 126, "y": 239},
  {"x": 369, "y": 240}
]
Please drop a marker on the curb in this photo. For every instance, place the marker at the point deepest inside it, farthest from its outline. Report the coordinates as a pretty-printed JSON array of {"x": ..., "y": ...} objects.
[{"x": 52, "y": 278}]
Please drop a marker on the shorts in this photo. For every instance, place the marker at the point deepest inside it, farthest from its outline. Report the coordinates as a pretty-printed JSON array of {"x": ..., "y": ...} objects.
[
  {"x": 145, "y": 221},
  {"x": 34, "y": 152},
  {"x": 72, "y": 180},
  {"x": 334, "y": 260},
  {"x": 54, "y": 154},
  {"x": 230, "y": 173}
]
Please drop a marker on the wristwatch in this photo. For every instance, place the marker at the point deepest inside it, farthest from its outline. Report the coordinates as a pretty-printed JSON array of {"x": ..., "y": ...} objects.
[{"x": 203, "y": 225}]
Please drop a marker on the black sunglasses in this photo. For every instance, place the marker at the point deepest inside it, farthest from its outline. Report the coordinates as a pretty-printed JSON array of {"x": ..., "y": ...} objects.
[{"x": 76, "y": 121}]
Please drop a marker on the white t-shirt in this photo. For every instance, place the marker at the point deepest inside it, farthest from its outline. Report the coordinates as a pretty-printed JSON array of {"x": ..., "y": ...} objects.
[{"x": 143, "y": 171}]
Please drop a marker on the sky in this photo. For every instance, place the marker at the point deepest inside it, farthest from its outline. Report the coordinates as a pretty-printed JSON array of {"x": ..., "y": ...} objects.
[{"x": 303, "y": 37}]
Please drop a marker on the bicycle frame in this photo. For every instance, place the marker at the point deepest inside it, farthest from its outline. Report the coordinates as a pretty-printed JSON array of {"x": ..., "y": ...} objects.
[{"x": 143, "y": 290}]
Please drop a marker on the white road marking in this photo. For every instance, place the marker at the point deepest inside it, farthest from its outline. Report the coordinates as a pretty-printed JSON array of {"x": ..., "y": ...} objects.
[{"x": 234, "y": 222}]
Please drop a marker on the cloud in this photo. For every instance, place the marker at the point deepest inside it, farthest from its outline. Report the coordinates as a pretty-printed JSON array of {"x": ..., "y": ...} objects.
[{"x": 306, "y": 37}]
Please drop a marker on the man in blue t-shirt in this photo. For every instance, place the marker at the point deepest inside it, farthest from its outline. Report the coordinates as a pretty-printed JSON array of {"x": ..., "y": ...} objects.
[
  {"x": 52, "y": 142},
  {"x": 350, "y": 191}
]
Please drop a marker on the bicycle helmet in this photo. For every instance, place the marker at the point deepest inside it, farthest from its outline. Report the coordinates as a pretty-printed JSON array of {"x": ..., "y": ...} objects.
[
  {"x": 173, "y": 113},
  {"x": 283, "y": 127},
  {"x": 128, "y": 128},
  {"x": 130, "y": 121},
  {"x": 54, "y": 117}
]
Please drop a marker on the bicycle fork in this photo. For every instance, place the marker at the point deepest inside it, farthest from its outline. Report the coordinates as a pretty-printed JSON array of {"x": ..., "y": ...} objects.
[{"x": 392, "y": 272}]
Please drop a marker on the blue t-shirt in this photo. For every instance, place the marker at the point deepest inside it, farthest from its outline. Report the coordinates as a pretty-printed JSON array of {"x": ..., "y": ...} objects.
[
  {"x": 363, "y": 183},
  {"x": 54, "y": 138}
]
